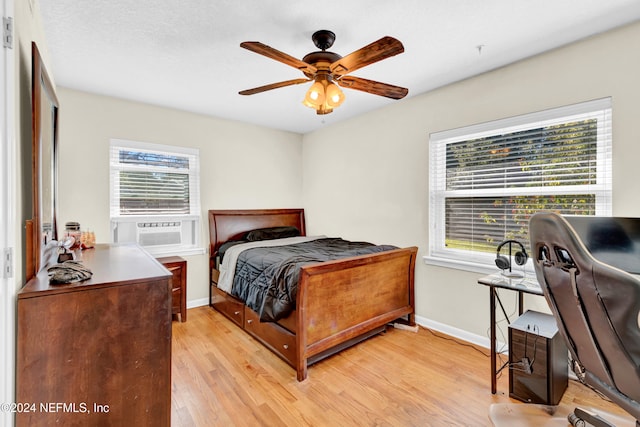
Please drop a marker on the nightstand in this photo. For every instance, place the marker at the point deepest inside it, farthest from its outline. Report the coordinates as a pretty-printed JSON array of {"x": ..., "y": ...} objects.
[{"x": 178, "y": 268}]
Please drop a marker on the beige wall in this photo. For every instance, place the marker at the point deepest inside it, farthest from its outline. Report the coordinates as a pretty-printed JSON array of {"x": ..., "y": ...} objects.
[
  {"x": 364, "y": 178},
  {"x": 367, "y": 178},
  {"x": 227, "y": 150}
]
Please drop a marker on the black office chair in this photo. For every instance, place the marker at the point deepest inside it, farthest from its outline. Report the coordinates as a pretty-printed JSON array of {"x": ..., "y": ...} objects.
[{"x": 597, "y": 308}]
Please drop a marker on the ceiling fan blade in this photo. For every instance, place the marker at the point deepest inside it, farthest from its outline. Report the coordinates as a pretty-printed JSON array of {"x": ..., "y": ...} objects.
[
  {"x": 273, "y": 86},
  {"x": 272, "y": 53},
  {"x": 370, "y": 86},
  {"x": 374, "y": 52}
]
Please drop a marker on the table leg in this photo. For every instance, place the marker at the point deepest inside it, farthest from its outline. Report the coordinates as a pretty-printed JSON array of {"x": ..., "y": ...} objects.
[
  {"x": 520, "y": 303},
  {"x": 492, "y": 309}
]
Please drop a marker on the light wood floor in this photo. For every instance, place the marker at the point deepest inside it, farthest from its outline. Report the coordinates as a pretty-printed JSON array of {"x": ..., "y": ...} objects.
[{"x": 223, "y": 377}]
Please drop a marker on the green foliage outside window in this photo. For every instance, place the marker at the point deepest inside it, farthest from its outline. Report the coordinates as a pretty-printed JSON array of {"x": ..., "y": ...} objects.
[{"x": 511, "y": 165}]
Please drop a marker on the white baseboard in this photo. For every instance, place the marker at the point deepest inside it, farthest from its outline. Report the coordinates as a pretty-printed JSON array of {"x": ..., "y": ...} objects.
[
  {"x": 461, "y": 334},
  {"x": 197, "y": 302}
]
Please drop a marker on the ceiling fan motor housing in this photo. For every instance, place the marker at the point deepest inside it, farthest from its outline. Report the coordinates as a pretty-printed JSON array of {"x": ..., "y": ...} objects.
[
  {"x": 323, "y": 39},
  {"x": 321, "y": 60}
]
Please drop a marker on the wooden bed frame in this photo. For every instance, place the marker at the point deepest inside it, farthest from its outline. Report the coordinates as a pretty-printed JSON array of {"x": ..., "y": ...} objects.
[{"x": 339, "y": 303}]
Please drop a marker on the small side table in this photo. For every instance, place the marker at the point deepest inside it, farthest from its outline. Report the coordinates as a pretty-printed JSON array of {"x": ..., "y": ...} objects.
[
  {"x": 178, "y": 268},
  {"x": 525, "y": 285}
]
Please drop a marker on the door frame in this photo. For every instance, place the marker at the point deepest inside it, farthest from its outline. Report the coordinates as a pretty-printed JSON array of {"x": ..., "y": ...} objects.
[{"x": 8, "y": 236}]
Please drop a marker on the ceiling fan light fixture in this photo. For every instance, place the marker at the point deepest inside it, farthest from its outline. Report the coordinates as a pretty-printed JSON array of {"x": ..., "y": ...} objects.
[
  {"x": 323, "y": 95},
  {"x": 315, "y": 96},
  {"x": 334, "y": 95}
]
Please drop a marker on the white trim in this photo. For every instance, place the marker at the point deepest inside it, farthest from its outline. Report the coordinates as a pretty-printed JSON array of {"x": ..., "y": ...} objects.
[
  {"x": 460, "y": 334},
  {"x": 470, "y": 260},
  {"x": 151, "y": 146},
  {"x": 193, "y": 171},
  {"x": 459, "y": 265},
  {"x": 8, "y": 286},
  {"x": 123, "y": 226},
  {"x": 201, "y": 302}
]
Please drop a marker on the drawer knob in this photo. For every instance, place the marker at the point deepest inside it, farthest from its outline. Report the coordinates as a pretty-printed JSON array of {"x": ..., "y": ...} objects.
[
  {"x": 286, "y": 347},
  {"x": 236, "y": 313},
  {"x": 250, "y": 321}
]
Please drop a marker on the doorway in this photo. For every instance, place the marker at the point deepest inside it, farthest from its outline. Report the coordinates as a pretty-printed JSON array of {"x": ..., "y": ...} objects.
[{"x": 8, "y": 284}]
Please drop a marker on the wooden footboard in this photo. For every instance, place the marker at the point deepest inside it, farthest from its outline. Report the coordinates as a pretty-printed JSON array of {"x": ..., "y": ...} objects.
[
  {"x": 339, "y": 303},
  {"x": 341, "y": 300}
]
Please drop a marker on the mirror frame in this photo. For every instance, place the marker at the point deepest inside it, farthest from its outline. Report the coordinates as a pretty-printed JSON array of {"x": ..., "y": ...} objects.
[{"x": 43, "y": 141}]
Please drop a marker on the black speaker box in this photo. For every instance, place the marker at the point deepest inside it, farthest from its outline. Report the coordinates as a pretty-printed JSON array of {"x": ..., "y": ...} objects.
[{"x": 538, "y": 359}]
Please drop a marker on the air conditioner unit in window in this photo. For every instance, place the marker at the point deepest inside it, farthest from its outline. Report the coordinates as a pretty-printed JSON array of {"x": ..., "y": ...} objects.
[{"x": 159, "y": 233}]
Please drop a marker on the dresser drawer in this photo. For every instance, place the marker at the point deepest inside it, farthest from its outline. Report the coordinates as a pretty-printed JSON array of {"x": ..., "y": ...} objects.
[
  {"x": 176, "y": 298},
  {"x": 227, "y": 305},
  {"x": 178, "y": 268},
  {"x": 272, "y": 335},
  {"x": 176, "y": 280}
]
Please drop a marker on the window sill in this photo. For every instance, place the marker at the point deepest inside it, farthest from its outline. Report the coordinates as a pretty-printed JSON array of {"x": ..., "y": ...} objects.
[{"x": 474, "y": 267}]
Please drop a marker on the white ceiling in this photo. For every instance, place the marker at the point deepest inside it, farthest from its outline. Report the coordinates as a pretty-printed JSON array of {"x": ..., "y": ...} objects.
[{"x": 185, "y": 54}]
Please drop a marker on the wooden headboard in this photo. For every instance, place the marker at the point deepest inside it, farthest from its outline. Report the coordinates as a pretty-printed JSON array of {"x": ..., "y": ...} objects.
[{"x": 226, "y": 225}]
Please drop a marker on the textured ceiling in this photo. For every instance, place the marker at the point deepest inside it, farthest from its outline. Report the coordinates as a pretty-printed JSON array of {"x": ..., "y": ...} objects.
[{"x": 185, "y": 54}]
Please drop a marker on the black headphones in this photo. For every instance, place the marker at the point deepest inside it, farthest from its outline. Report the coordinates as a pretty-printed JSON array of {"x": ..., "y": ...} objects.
[{"x": 504, "y": 263}]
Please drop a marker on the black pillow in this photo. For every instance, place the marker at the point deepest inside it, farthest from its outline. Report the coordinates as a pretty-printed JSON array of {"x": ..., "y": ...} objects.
[
  {"x": 227, "y": 245},
  {"x": 271, "y": 233}
]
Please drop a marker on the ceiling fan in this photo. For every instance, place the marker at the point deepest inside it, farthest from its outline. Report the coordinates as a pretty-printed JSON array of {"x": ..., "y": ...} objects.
[{"x": 326, "y": 69}]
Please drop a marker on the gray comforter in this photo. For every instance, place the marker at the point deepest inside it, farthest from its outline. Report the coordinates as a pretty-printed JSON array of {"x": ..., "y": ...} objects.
[{"x": 266, "y": 279}]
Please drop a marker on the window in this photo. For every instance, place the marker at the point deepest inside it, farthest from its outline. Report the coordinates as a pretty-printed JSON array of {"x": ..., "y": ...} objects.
[
  {"x": 487, "y": 180},
  {"x": 155, "y": 196}
]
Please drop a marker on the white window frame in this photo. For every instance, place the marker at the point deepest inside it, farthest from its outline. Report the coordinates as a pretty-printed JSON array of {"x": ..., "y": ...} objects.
[
  {"x": 10, "y": 179},
  {"x": 190, "y": 234},
  {"x": 482, "y": 262}
]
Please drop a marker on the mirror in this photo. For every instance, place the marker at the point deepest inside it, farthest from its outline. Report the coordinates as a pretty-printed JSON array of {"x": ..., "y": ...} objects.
[{"x": 44, "y": 110}]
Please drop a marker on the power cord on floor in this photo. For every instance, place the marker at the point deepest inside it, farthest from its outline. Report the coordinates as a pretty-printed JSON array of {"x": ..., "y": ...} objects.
[
  {"x": 502, "y": 351},
  {"x": 464, "y": 344}
]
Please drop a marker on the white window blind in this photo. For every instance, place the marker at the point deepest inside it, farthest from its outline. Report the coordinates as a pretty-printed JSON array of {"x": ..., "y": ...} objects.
[
  {"x": 155, "y": 196},
  {"x": 487, "y": 180}
]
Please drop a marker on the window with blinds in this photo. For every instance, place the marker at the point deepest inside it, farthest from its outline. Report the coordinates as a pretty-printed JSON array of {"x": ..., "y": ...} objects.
[
  {"x": 487, "y": 180},
  {"x": 155, "y": 199}
]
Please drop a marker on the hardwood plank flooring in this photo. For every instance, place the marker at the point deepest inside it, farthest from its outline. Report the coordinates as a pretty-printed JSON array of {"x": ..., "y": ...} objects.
[{"x": 223, "y": 377}]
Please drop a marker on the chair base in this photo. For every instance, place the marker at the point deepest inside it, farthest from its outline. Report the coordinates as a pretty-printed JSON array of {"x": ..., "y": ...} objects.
[
  {"x": 532, "y": 415},
  {"x": 581, "y": 417}
]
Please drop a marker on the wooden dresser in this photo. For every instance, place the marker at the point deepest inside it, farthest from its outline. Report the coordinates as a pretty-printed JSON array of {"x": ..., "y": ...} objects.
[
  {"x": 178, "y": 268},
  {"x": 97, "y": 352}
]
